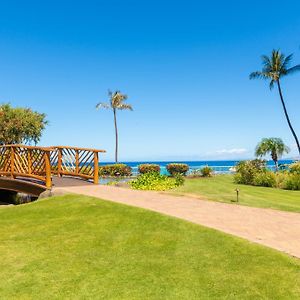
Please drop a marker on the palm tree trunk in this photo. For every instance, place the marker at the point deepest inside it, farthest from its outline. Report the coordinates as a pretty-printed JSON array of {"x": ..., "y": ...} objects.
[
  {"x": 116, "y": 131},
  {"x": 287, "y": 117},
  {"x": 276, "y": 165}
]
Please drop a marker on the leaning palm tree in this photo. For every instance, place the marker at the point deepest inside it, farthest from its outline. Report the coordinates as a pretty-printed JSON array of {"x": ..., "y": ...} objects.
[
  {"x": 116, "y": 102},
  {"x": 274, "y": 68},
  {"x": 273, "y": 146}
]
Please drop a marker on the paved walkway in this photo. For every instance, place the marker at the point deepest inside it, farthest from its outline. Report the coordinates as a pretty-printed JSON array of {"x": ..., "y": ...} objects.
[{"x": 276, "y": 229}]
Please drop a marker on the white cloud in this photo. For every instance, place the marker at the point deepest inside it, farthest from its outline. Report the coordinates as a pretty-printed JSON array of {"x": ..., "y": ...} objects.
[{"x": 232, "y": 151}]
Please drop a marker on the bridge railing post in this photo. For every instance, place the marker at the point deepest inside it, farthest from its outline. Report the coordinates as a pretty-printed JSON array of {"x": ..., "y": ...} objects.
[
  {"x": 48, "y": 181},
  {"x": 77, "y": 162},
  {"x": 59, "y": 162},
  {"x": 96, "y": 168}
]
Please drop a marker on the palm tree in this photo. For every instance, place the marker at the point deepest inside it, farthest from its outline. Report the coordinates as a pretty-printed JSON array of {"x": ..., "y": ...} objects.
[
  {"x": 116, "y": 102},
  {"x": 273, "y": 146},
  {"x": 274, "y": 68}
]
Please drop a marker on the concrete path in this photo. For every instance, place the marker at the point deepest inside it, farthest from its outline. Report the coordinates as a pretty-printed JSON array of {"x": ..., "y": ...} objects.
[{"x": 277, "y": 229}]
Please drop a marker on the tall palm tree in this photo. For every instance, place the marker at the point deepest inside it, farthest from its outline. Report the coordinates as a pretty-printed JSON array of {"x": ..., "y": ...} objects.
[
  {"x": 273, "y": 146},
  {"x": 116, "y": 102},
  {"x": 274, "y": 68}
]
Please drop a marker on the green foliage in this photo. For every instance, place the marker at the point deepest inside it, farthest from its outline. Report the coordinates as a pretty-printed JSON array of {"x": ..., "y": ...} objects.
[
  {"x": 20, "y": 125},
  {"x": 179, "y": 179},
  {"x": 295, "y": 168},
  {"x": 273, "y": 146},
  {"x": 275, "y": 67},
  {"x": 176, "y": 168},
  {"x": 206, "y": 171},
  {"x": 266, "y": 179},
  {"x": 148, "y": 168},
  {"x": 246, "y": 171},
  {"x": 154, "y": 181},
  {"x": 292, "y": 182},
  {"x": 254, "y": 172},
  {"x": 115, "y": 170}
]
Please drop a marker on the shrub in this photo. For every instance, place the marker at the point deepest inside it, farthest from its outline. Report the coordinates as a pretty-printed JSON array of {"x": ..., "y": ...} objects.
[
  {"x": 246, "y": 170},
  {"x": 292, "y": 182},
  {"x": 267, "y": 179},
  {"x": 179, "y": 179},
  {"x": 148, "y": 168},
  {"x": 154, "y": 181},
  {"x": 295, "y": 168},
  {"x": 174, "y": 169},
  {"x": 115, "y": 170},
  {"x": 206, "y": 171}
]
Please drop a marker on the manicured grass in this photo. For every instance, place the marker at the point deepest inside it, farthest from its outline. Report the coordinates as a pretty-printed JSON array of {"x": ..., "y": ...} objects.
[
  {"x": 222, "y": 188},
  {"x": 76, "y": 247}
]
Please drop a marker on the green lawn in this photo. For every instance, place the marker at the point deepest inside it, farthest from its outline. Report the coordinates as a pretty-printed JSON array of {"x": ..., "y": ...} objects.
[
  {"x": 76, "y": 247},
  {"x": 222, "y": 188}
]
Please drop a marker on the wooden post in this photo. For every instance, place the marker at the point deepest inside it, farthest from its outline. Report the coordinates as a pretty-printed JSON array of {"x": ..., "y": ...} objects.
[
  {"x": 12, "y": 162},
  {"x": 48, "y": 169},
  {"x": 96, "y": 168},
  {"x": 59, "y": 162},
  {"x": 77, "y": 162}
]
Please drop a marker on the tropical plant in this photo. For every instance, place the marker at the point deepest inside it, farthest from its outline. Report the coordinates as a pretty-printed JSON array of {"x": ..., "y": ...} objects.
[
  {"x": 273, "y": 146},
  {"x": 247, "y": 170},
  {"x": 20, "y": 125},
  {"x": 115, "y": 170},
  {"x": 177, "y": 168},
  {"x": 116, "y": 102},
  {"x": 155, "y": 181},
  {"x": 266, "y": 179},
  {"x": 295, "y": 168},
  {"x": 147, "y": 168},
  {"x": 274, "y": 68},
  {"x": 206, "y": 171}
]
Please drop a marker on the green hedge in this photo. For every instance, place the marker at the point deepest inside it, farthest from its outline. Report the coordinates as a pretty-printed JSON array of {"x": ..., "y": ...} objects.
[
  {"x": 254, "y": 172},
  {"x": 176, "y": 168},
  {"x": 148, "y": 168},
  {"x": 115, "y": 170}
]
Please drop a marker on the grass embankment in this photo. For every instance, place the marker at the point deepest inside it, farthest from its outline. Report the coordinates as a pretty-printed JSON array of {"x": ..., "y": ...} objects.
[
  {"x": 76, "y": 247},
  {"x": 222, "y": 188}
]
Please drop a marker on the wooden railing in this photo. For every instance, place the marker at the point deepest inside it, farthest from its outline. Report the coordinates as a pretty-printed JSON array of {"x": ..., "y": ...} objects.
[
  {"x": 26, "y": 161},
  {"x": 77, "y": 162},
  {"x": 40, "y": 163}
]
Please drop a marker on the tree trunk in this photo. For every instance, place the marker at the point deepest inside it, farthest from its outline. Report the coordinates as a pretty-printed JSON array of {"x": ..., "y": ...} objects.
[
  {"x": 116, "y": 131},
  {"x": 276, "y": 165},
  {"x": 287, "y": 117},
  {"x": 275, "y": 159}
]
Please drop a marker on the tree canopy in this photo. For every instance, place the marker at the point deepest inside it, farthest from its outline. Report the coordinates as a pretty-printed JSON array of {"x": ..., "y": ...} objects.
[
  {"x": 275, "y": 66},
  {"x": 20, "y": 125},
  {"x": 273, "y": 146}
]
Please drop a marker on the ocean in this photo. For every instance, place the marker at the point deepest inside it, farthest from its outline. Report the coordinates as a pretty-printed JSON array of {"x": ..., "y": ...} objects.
[{"x": 219, "y": 166}]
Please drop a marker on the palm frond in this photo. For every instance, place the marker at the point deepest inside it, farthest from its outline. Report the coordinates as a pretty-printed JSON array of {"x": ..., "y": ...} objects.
[
  {"x": 103, "y": 105},
  {"x": 258, "y": 75},
  {"x": 125, "y": 106},
  {"x": 272, "y": 82},
  {"x": 266, "y": 61},
  {"x": 286, "y": 62},
  {"x": 293, "y": 69}
]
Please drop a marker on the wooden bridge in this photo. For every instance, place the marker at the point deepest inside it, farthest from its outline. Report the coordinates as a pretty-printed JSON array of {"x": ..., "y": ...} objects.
[{"x": 32, "y": 170}]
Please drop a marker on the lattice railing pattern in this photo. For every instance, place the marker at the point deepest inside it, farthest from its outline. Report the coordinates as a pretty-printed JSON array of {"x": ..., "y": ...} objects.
[
  {"x": 26, "y": 161},
  {"x": 40, "y": 163},
  {"x": 78, "y": 162}
]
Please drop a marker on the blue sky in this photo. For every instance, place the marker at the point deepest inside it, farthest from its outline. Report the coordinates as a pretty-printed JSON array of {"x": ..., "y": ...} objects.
[{"x": 183, "y": 64}]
